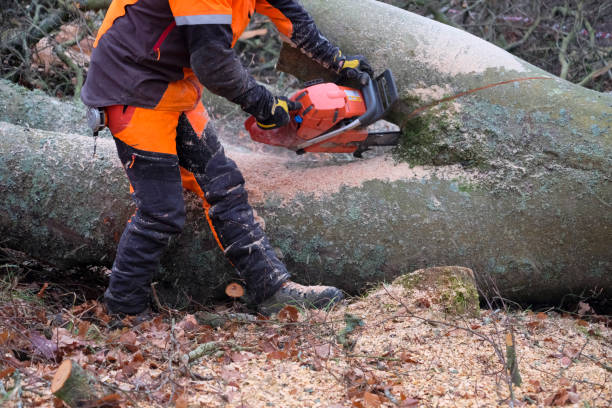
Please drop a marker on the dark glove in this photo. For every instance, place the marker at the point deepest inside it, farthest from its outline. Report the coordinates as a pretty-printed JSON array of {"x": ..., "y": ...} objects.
[
  {"x": 279, "y": 113},
  {"x": 353, "y": 67}
]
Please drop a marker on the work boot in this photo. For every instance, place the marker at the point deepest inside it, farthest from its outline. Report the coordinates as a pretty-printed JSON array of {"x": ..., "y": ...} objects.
[
  {"x": 119, "y": 320},
  {"x": 291, "y": 293}
]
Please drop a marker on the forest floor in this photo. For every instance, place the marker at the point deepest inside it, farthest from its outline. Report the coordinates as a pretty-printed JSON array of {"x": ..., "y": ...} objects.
[
  {"x": 394, "y": 347},
  {"x": 389, "y": 348}
]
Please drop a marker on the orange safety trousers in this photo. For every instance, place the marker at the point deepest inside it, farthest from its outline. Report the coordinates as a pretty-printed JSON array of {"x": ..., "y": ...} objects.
[{"x": 164, "y": 152}]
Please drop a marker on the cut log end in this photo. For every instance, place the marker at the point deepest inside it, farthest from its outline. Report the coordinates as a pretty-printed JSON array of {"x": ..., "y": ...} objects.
[
  {"x": 234, "y": 290},
  {"x": 73, "y": 385},
  {"x": 61, "y": 375}
]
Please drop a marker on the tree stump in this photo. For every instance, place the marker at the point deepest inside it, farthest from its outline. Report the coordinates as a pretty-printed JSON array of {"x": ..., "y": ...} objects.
[{"x": 73, "y": 385}]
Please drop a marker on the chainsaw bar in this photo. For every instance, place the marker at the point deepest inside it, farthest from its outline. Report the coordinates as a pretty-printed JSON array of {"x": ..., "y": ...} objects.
[{"x": 388, "y": 138}]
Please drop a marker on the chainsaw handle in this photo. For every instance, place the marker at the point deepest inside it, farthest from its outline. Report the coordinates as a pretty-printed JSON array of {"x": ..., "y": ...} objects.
[{"x": 372, "y": 103}]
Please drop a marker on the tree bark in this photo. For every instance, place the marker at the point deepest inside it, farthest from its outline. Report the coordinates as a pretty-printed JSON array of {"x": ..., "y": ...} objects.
[
  {"x": 34, "y": 109},
  {"x": 517, "y": 185}
]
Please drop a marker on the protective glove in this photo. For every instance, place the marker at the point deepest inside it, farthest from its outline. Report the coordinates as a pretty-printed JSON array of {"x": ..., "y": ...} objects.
[
  {"x": 279, "y": 114},
  {"x": 353, "y": 67}
]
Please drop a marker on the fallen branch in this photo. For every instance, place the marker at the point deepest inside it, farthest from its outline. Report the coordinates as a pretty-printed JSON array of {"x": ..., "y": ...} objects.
[
  {"x": 93, "y": 5},
  {"x": 520, "y": 42},
  {"x": 563, "y": 58},
  {"x": 78, "y": 72},
  {"x": 599, "y": 363},
  {"x": 219, "y": 319},
  {"x": 202, "y": 350},
  {"x": 595, "y": 74},
  {"x": 25, "y": 39}
]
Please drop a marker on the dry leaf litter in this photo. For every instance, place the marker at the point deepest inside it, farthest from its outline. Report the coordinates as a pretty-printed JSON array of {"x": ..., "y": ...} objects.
[{"x": 392, "y": 348}]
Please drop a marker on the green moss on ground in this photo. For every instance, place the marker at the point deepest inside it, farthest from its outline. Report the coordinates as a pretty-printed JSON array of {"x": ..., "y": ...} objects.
[
  {"x": 453, "y": 287},
  {"x": 459, "y": 295}
]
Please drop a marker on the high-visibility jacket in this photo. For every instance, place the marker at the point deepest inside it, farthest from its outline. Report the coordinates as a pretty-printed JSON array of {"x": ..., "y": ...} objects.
[{"x": 146, "y": 51}]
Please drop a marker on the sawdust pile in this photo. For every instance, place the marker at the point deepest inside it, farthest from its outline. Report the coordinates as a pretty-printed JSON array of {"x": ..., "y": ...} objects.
[{"x": 400, "y": 346}]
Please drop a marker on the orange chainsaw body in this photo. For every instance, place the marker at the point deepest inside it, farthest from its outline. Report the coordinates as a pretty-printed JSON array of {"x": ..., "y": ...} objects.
[{"x": 324, "y": 106}]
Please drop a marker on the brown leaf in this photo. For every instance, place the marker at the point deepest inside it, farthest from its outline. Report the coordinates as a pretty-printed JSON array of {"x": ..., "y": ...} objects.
[
  {"x": 6, "y": 372},
  {"x": 43, "y": 347},
  {"x": 181, "y": 402},
  {"x": 239, "y": 356},
  {"x": 423, "y": 302},
  {"x": 41, "y": 292},
  {"x": 4, "y": 337},
  {"x": 138, "y": 357},
  {"x": 407, "y": 358},
  {"x": 584, "y": 308},
  {"x": 541, "y": 316},
  {"x": 268, "y": 347},
  {"x": 189, "y": 323},
  {"x": 129, "y": 370},
  {"x": 535, "y": 386},
  {"x": 409, "y": 403},
  {"x": 230, "y": 374},
  {"x": 574, "y": 398},
  {"x": 83, "y": 328},
  {"x": 582, "y": 323},
  {"x": 288, "y": 314},
  {"x": 564, "y": 382},
  {"x": 277, "y": 355},
  {"x": 371, "y": 400},
  {"x": 475, "y": 326},
  {"x": 559, "y": 398},
  {"x": 324, "y": 351},
  {"x": 129, "y": 341},
  {"x": 534, "y": 324},
  {"x": 109, "y": 401},
  {"x": 354, "y": 392}
]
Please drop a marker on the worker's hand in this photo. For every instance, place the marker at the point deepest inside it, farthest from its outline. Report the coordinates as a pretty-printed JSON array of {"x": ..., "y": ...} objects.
[
  {"x": 279, "y": 114},
  {"x": 354, "y": 67}
]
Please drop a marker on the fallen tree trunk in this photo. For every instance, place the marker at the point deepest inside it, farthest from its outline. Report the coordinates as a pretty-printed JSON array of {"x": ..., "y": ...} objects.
[
  {"x": 37, "y": 110},
  {"x": 517, "y": 188}
]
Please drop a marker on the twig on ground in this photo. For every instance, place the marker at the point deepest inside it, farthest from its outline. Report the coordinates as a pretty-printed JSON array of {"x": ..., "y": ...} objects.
[
  {"x": 522, "y": 41},
  {"x": 596, "y": 73}
]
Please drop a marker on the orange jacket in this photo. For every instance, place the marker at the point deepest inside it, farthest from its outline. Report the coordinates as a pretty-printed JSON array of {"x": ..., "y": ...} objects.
[{"x": 146, "y": 51}]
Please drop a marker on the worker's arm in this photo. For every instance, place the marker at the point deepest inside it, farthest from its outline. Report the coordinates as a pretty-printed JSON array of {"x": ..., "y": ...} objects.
[
  {"x": 208, "y": 34},
  {"x": 296, "y": 25}
]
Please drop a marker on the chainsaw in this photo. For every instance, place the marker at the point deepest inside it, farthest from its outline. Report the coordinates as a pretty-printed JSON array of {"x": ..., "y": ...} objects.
[{"x": 334, "y": 118}]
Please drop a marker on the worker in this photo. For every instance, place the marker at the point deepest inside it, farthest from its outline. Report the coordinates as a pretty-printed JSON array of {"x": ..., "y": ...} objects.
[{"x": 150, "y": 61}]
